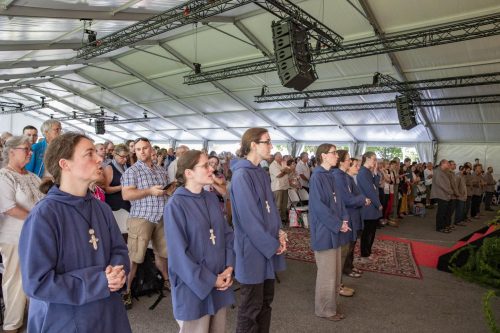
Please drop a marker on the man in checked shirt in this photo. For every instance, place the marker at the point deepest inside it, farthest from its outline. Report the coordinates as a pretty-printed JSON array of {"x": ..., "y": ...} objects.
[{"x": 143, "y": 184}]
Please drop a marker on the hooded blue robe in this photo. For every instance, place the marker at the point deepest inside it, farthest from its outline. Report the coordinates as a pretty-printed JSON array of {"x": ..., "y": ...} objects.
[
  {"x": 353, "y": 199},
  {"x": 62, "y": 273},
  {"x": 193, "y": 260},
  {"x": 256, "y": 221},
  {"x": 326, "y": 211},
  {"x": 368, "y": 187}
]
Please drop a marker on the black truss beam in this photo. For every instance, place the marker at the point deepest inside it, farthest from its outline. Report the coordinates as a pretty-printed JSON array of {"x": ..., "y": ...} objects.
[
  {"x": 22, "y": 108},
  {"x": 425, "y": 103},
  {"x": 386, "y": 87},
  {"x": 192, "y": 11},
  {"x": 480, "y": 27},
  {"x": 285, "y": 9}
]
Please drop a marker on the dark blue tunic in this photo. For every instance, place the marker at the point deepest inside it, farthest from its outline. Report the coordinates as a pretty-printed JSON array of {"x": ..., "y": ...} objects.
[
  {"x": 62, "y": 273},
  {"x": 193, "y": 260}
]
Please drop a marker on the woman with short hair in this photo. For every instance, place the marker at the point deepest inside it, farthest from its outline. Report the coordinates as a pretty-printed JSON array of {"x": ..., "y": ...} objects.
[
  {"x": 200, "y": 249},
  {"x": 18, "y": 196},
  {"x": 328, "y": 218},
  {"x": 74, "y": 260}
]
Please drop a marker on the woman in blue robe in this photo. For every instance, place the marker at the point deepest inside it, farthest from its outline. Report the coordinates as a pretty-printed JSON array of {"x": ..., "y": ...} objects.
[
  {"x": 74, "y": 260},
  {"x": 259, "y": 243},
  {"x": 200, "y": 249},
  {"x": 328, "y": 218}
]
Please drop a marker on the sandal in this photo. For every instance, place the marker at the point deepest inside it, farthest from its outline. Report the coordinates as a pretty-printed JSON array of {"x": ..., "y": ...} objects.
[
  {"x": 357, "y": 270},
  {"x": 336, "y": 317},
  {"x": 166, "y": 285},
  {"x": 353, "y": 274},
  {"x": 445, "y": 231}
]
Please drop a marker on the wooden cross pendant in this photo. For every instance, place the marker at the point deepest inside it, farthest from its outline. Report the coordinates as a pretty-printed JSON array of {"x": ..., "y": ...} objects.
[
  {"x": 212, "y": 236},
  {"x": 268, "y": 207},
  {"x": 93, "y": 239}
]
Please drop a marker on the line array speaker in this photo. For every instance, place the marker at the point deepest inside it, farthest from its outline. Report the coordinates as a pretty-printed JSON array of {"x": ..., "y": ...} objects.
[
  {"x": 293, "y": 55},
  {"x": 100, "y": 127},
  {"x": 406, "y": 112}
]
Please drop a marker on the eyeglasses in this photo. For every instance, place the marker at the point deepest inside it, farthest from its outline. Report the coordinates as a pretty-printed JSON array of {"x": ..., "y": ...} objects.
[
  {"x": 332, "y": 152},
  {"x": 204, "y": 166},
  {"x": 26, "y": 150},
  {"x": 267, "y": 142},
  {"x": 122, "y": 156}
]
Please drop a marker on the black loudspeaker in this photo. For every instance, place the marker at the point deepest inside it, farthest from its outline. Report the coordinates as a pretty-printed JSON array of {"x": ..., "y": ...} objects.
[
  {"x": 406, "y": 112},
  {"x": 293, "y": 55},
  {"x": 100, "y": 127}
]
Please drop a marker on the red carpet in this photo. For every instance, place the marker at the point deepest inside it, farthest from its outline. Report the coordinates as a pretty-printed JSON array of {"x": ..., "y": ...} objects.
[{"x": 425, "y": 254}]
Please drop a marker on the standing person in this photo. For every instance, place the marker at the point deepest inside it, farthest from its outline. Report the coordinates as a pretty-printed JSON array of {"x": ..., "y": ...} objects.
[
  {"x": 328, "y": 218},
  {"x": 489, "y": 189},
  {"x": 218, "y": 186},
  {"x": 303, "y": 170},
  {"x": 143, "y": 184},
  {"x": 50, "y": 129},
  {"x": 279, "y": 184},
  {"x": 442, "y": 193},
  {"x": 259, "y": 243},
  {"x": 113, "y": 187},
  {"x": 18, "y": 196},
  {"x": 373, "y": 212},
  {"x": 396, "y": 201},
  {"x": 31, "y": 132},
  {"x": 477, "y": 191},
  {"x": 73, "y": 258},
  {"x": 200, "y": 247},
  {"x": 461, "y": 199},
  {"x": 428, "y": 172},
  {"x": 354, "y": 202},
  {"x": 172, "y": 167}
]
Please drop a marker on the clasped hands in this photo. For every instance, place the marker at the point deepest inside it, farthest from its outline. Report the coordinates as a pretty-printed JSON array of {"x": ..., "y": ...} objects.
[
  {"x": 224, "y": 279},
  {"x": 116, "y": 277},
  {"x": 283, "y": 239},
  {"x": 345, "y": 226}
]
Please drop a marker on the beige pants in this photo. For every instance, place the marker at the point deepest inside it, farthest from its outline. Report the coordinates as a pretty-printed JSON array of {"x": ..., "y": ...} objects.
[
  {"x": 206, "y": 324},
  {"x": 281, "y": 199},
  {"x": 12, "y": 288},
  {"x": 327, "y": 282}
]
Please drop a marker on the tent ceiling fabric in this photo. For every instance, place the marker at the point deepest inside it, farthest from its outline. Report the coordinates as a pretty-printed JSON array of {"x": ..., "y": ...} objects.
[{"x": 209, "y": 111}]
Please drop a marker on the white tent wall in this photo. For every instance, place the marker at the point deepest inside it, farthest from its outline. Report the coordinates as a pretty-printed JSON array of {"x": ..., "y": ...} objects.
[
  {"x": 488, "y": 154},
  {"x": 14, "y": 123}
]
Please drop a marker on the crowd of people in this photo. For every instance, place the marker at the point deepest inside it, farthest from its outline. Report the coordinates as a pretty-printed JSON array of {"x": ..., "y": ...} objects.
[{"x": 77, "y": 218}]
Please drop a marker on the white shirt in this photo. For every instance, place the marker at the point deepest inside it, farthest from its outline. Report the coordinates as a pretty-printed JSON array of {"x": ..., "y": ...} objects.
[
  {"x": 20, "y": 190},
  {"x": 303, "y": 169},
  {"x": 428, "y": 172},
  {"x": 278, "y": 184},
  {"x": 172, "y": 170}
]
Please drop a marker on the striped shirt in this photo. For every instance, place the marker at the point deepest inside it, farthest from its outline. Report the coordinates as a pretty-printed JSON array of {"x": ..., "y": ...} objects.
[{"x": 142, "y": 177}]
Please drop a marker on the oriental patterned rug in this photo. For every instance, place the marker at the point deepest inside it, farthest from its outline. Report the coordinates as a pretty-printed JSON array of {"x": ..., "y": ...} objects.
[{"x": 389, "y": 256}]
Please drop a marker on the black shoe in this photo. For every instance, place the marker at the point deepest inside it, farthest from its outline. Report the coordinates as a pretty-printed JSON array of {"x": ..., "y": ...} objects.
[
  {"x": 489, "y": 210},
  {"x": 462, "y": 224}
]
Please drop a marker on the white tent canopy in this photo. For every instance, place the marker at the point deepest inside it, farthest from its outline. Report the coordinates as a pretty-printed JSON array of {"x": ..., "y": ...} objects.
[{"x": 150, "y": 78}]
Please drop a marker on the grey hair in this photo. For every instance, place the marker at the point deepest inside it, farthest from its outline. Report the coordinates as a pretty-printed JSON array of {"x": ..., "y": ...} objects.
[
  {"x": 47, "y": 125},
  {"x": 13, "y": 142}
]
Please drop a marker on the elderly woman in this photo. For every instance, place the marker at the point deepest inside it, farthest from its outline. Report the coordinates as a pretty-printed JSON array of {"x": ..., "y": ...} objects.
[
  {"x": 113, "y": 188},
  {"x": 18, "y": 195},
  {"x": 74, "y": 261}
]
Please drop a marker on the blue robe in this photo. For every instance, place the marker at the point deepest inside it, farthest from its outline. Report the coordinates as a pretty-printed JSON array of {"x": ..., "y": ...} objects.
[
  {"x": 368, "y": 187},
  {"x": 193, "y": 260},
  {"x": 326, "y": 211},
  {"x": 353, "y": 199},
  {"x": 256, "y": 221},
  {"x": 62, "y": 273}
]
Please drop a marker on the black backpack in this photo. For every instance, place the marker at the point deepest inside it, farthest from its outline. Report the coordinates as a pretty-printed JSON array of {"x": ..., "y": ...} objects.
[{"x": 148, "y": 279}]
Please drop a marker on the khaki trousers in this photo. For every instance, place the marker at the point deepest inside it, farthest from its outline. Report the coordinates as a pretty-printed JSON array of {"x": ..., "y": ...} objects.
[
  {"x": 206, "y": 324},
  {"x": 281, "y": 199},
  {"x": 328, "y": 279},
  {"x": 12, "y": 288}
]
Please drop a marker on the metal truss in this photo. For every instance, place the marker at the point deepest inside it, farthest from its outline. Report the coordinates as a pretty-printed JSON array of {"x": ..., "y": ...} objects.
[
  {"x": 424, "y": 103},
  {"x": 450, "y": 33},
  {"x": 383, "y": 88},
  {"x": 192, "y": 11},
  {"x": 285, "y": 9},
  {"x": 21, "y": 109}
]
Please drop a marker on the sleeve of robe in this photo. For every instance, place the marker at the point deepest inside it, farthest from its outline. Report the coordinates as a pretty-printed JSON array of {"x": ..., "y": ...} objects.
[
  {"x": 195, "y": 275},
  {"x": 319, "y": 203},
  {"x": 350, "y": 200},
  {"x": 39, "y": 253},
  {"x": 229, "y": 237},
  {"x": 251, "y": 219}
]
